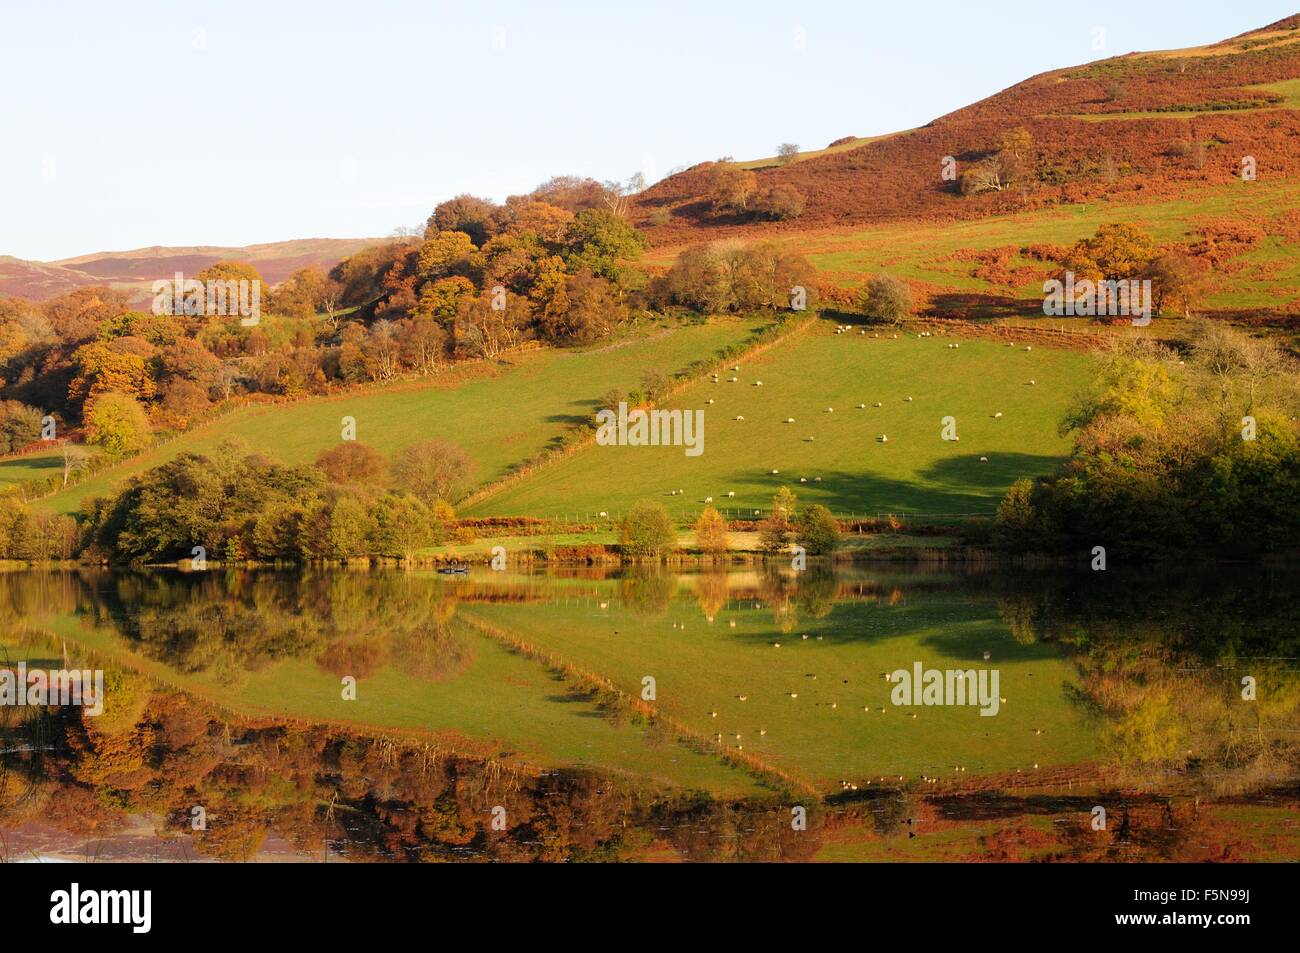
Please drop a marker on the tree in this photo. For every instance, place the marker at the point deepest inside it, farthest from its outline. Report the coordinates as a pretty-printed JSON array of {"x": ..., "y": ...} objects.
[
  {"x": 19, "y": 426},
  {"x": 433, "y": 470},
  {"x": 75, "y": 459},
  {"x": 779, "y": 203},
  {"x": 787, "y": 152},
  {"x": 1117, "y": 251},
  {"x": 352, "y": 462},
  {"x": 117, "y": 424},
  {"x": 987, "y": 175},
  {"x": 774, "y": 532},
  {"x": 886, "y": 299},
  {"x": 711, "y": 532},
  {"x": 600, "y": 242},
  {"x": 648, "y": 530},
  {"x": 403, "y": 525},
  {"x": 731, "y": 189},
  {"x": 1177, "y": 280},
  {"x": 478, "y": 218},
  {"x": 819, "y": 533},
  {"x": 446, "y": 254}
]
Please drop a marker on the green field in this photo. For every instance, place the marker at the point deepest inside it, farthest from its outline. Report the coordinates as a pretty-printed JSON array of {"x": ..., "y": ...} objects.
[
  {"x": 501, "y": 418},
  {"x": 914, "y": 472}
]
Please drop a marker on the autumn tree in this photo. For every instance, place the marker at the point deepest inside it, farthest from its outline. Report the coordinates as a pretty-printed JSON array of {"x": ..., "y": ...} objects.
[
  {"x": 433, "y": 470},
  {"x": 353, "y": 462},
  {"x": 711, "y": 532},
  {"x": 887, "y": 299},
  {"x": 117, "y": 424}
]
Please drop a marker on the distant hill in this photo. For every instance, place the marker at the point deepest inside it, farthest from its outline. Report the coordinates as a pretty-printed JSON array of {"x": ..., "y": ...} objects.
[
  {"x": 1130, "y": 128},
  {"x": 136, "y": 270}
]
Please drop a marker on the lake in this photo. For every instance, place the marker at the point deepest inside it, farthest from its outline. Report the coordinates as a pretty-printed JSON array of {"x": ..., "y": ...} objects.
[{"x": 886, "y": 714}]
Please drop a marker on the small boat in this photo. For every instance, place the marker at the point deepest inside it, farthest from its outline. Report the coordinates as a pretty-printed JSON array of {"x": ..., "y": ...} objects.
[{"x": 453, "y": 570}]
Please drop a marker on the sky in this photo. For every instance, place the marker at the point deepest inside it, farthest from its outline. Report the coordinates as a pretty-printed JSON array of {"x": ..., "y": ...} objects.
[{"x": 138, "y": 123}]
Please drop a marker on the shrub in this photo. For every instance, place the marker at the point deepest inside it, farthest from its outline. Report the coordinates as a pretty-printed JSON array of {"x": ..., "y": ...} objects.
[
  {"x": 819, "y": 533},
  {"x": 648, "y": 530},
  {"x": 887, "y": 299}
]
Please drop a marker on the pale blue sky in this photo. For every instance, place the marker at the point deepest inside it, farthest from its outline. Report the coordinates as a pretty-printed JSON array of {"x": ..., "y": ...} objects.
[{"x": 138, "y": 123}]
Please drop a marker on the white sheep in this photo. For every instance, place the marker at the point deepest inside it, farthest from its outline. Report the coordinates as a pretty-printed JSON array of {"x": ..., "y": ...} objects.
[
  {"x": 862, "y": 406},
  {"x": 730, "y": 494},
  {"x": 1032, "y": 382},
  {"x": 758, "y": 383},
  {"x": 740, "y": 416},
  {"x": 998, "y": 415},
  {"x": 803, "y": 479},
  {"x": 907, "y": 400},
  {"x": 878, "y": 404},
  {"x": 884, "y": 439},
  {"x": 789, "y": 420},
  {"x": 1028, "y": 348},
  {"x": 708, "y": 499},
  {"x": 775, "y": 472},
  {"x": 808, "y": 439},
  {"x": 984, "y": 459},
  {"x": 830, "y": 410}
]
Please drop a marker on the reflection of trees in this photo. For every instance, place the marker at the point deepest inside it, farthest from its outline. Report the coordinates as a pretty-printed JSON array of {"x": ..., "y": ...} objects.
[
  {"x": 648, "y": 592},
  {"x": 371, "y": 798}
]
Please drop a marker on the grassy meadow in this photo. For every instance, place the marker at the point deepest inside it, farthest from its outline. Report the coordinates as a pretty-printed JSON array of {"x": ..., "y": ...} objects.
[
  {"x": 503, "y": 415},
  {"x": 847, "y": 468}
]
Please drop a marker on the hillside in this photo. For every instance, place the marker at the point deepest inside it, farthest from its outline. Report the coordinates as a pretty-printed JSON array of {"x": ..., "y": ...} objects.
[
  {"x": 1135, "y": 128},
  {"x": 134, "y": 271}
]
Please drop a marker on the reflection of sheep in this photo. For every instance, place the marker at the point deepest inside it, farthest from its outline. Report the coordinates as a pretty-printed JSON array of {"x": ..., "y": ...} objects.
[
  {"x": 984, "y": 459},
  {"x": 803, "y": 479}
]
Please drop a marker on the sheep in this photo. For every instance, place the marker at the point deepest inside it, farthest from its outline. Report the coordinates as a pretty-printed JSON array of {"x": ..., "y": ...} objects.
[
  {"x": 708, "y": 499},
  {"x": 762, "y": 731},
  {"x": 830, "y": 410},
  {"x": 808, "y": 439},
  {"x": 907, "y": 400},
  {"x": 709, "y": 401},
  {"x": 730, "y": 494},
  {"x": 733, "y": 623},
  {"x": 758, "y": 383},
  {"x": 732, "y": 380},
  {"x": 740, "y": 416},
  {"x": 984, "y": 459},
  {"x": 884, "y": 439},
  {"x": 775, "y": 472},
  {"x": 803, "y": 479},
  {"x": 735, "y": 367},
  {"x": 878, "y": 404},
  {"x": 776, "y": 645},
  {"x": 603, "y": 514},
  {"x": 817, "y": 479},
  {"x": 862, "y": 406},
  {"x": 1028, "y": 348},
  {"x": 743, "y": 698},
  {"x": 998, "y": 415},
  {"x": 1032, "y": 382},
  {"x": 789, "y": 420}
]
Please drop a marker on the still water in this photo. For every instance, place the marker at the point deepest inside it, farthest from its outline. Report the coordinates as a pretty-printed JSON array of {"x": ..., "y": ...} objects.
[{"x": 587, "y": 715}]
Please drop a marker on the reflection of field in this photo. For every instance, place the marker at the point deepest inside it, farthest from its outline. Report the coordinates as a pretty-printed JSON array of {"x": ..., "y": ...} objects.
[
  {"x": 824, "y": 736},
  {"x": 496, "y": 704}
]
